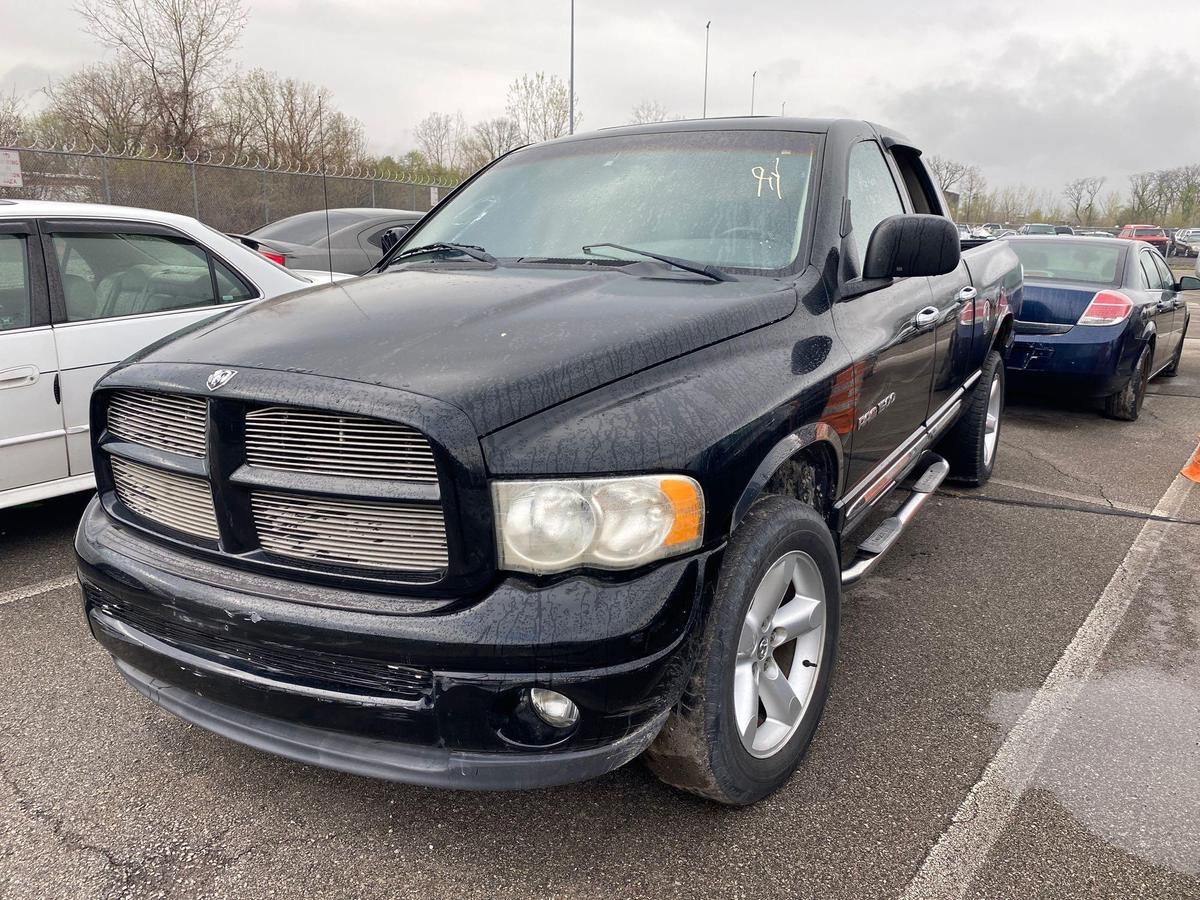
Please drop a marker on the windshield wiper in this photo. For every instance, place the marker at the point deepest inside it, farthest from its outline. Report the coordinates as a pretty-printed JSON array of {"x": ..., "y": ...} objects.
[
  {"x": 465, "y": 249},
  {"x": 686, "y": 264}
]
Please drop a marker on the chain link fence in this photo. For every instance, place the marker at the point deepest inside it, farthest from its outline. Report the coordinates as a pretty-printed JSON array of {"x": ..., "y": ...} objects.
[{"x": 230, "y": 198}]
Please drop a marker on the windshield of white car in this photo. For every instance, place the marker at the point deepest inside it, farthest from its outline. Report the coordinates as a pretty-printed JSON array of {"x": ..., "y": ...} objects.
[{"x": 733, "y": 199}]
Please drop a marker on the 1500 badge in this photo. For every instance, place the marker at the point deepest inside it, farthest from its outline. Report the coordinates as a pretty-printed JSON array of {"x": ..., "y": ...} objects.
[{"x": 876, "y": 409}]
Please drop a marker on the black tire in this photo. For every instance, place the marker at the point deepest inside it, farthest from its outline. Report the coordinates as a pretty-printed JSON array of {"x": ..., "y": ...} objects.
[
  {"x": 1126, "y": 403},
  {"x": 699, "y": 749},
  {"x": 1173, "y": 369},
  {"x": 965, "y": 444}
]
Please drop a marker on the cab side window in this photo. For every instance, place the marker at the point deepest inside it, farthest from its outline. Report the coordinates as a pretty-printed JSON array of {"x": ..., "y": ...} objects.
[
  {"x": 15, "y": 301},
  {"x": 109, "y": 274},
  {"x": 872, "y": 192}
]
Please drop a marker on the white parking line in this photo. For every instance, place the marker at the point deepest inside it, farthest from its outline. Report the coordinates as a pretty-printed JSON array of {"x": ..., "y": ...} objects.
[
  {"x": 962, "y": 850},
  {"x": 33, "y": 590}
]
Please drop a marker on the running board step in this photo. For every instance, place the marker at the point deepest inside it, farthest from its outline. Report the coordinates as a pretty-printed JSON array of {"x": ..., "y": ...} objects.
[{"x": 884, "y": 537}]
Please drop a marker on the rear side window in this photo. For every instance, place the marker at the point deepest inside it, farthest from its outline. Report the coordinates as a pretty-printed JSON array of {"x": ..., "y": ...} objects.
[
  {"x": 1063, "y": 260},
  {"x": 1150, "y": 276},
  {"x": 1164, "y": 273},
  {"x": 15, "y": 302},
  {"x": 105, "y": 275},
  {"x": 872, "y": 192}
]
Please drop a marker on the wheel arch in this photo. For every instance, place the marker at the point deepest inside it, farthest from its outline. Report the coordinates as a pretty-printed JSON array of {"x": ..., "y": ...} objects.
[{"x": 816, "y": 447}]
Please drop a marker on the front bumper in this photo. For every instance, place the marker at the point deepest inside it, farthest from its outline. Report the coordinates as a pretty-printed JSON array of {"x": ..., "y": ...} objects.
[
  {"x": 433, "y": 698},
  {"x": 1086, "y": 361}
]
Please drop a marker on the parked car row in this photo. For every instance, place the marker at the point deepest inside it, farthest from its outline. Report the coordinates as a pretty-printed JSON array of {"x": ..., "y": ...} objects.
[{"x": 82, "y": 287}]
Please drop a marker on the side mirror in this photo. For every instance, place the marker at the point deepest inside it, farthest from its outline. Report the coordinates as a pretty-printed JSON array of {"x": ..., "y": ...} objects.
[
  {"x": 904, "y": 246},
  {"x": 1189, "y": 283},
  {"x": 391, "y": 237}
]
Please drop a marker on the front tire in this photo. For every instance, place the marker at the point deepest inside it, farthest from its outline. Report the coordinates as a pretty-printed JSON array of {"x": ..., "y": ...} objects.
[
  {"x": 971, "y": 445},
  {"x": 768, "y": 647},
  {"x": 1126, "y": 403}
]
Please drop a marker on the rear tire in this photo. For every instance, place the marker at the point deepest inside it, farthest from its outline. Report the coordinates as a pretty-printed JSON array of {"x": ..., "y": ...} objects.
[
  {"x": 767, "y": 652},
  {"x": 1126, "y": 403},
  {"x": 972, "y": 444}
]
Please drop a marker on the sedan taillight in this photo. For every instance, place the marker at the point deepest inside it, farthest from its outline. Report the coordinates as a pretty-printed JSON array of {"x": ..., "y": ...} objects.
[
  {"x": 1107, "y": 308},
  {"x": 278, "y": 258}
]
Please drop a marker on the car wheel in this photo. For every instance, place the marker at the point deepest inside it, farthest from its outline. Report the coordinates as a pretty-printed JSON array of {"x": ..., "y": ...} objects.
[
  {"x": 1173, "y": 369},
  {"x": 1126, "y": 403},
  {"x": 971, "y": 445},
  {"x": 767, "y": 650}
]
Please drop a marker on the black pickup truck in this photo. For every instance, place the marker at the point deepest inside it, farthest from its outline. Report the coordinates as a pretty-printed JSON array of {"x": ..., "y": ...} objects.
[{"x": 570, "y": 478}]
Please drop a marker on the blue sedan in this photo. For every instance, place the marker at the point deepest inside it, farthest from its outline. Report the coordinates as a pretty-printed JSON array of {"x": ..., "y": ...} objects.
[{"x": 1097, "y": 318}]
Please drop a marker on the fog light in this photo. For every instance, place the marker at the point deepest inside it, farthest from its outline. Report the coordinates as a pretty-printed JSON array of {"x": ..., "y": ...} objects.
[{"x": 554, "y": 708}]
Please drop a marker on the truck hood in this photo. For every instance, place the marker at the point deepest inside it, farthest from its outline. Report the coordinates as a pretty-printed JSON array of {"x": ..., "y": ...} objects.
[{"x": 501, "y": 344}]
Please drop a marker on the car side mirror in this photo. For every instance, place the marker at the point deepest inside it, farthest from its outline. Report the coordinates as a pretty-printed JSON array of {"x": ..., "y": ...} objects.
[
  {"x": 391, "y": 237},
  {"x": 917, "y": 245},
  {"x": 1189, "y": 283}
]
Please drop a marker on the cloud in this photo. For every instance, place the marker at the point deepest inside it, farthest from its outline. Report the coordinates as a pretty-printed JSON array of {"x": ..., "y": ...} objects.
[{"x": 1063, "y": 114}]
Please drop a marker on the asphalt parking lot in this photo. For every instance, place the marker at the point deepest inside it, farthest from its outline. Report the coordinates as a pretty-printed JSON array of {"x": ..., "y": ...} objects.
[{"x": 1014, "y": 715}]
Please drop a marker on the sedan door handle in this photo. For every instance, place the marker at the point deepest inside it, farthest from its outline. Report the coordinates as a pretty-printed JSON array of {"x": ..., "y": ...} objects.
[
  {"x": 927, "y": 316},
  {"x": 967, "y": 294},
  {"x": 21, "y": 376}
]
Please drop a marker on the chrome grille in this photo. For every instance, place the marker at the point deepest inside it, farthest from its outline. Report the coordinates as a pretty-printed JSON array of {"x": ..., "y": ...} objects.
[
  {"x": 333, "y": 444},
  {"x": 177, "y": 501},
  {"x": 351, "y": 532},
  {"x": 171, "y": 423}
]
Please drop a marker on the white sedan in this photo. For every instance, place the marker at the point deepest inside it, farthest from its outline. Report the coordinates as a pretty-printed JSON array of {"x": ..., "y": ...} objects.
[{"x": 82, "y": 287}]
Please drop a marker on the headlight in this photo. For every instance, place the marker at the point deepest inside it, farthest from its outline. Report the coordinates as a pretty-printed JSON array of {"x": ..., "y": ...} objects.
[{"x": 606, "y": 523}]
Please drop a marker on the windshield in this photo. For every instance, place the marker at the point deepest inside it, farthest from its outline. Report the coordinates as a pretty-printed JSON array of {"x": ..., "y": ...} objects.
[
  {"x": 734, "y": 199},
  {"x": 307, "y": 228},
  {"x": 1040, "y": 229},
  {"x": 1148, "y": 232},
  {"x": 1069, "y": 261}
]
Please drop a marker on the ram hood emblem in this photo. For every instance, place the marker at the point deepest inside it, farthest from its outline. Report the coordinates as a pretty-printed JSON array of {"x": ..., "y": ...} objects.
[{"x": 220, "y": 378}]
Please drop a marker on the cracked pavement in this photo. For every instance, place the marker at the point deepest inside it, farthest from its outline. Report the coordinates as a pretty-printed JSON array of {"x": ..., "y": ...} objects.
[{"x": 103, "y": 795}]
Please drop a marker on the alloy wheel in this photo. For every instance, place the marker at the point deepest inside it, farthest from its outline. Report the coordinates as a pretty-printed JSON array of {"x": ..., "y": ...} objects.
[
  {"x": 991, "y": 424},
  {"x": 779, "y": 654}
]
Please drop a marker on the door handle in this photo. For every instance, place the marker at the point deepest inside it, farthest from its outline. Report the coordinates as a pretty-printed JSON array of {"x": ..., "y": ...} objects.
[
  {"x": 927, "y": 316},
  {"x": 967, "y": 294},
  {"x": 21, "y": 376}
]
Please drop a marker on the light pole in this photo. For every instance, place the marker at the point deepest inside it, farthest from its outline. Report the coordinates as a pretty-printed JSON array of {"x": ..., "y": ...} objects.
[
  {"x": 571, "y": 85},
  {"x": 704, "y": 107},
  {"x": 753, "y": 78},
  {"x": 783, "y": 108}
]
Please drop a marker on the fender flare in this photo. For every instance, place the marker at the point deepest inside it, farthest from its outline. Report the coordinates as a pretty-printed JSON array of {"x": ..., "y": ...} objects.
[{"x": 808, "y": 436}]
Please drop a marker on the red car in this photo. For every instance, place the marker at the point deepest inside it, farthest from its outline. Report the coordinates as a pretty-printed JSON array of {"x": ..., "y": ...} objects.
[{"x": 1151, "y": 234}]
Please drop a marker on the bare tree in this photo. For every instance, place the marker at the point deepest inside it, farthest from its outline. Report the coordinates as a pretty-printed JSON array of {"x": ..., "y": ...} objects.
[
  {"x": 650, "y": 111},
  {"x": 182, "y": 47},
  {"x": 1188, "y": 198},
  {"x": 1081, "y": 194},
  {"x": 107, "y": 104},
  {"x": 1142, "y": 198},
  {"x": 973, "y": 196},
  {"x": 12, "y": 119},
  {"x": 488, "y": 140},
  {"x": 540, "y": 106},
  {"x": 948, "y": 172},
  {"x": 439, "y": 138},
  {"x": 285, "y": 122},
  {"x": 1110, "y": 210}
]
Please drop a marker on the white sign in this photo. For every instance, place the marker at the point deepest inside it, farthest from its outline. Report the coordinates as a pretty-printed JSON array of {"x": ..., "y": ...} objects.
[
  {"x": 10, "y": 169},
  {"x": 433, "y": 196}
]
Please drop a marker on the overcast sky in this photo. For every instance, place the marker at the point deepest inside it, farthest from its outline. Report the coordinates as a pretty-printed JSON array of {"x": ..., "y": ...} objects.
[{"x": 1032, "y": 92}]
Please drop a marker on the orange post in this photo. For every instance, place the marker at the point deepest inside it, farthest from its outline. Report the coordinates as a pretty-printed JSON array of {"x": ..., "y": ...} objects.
[{"x": 1192, "y": 469}]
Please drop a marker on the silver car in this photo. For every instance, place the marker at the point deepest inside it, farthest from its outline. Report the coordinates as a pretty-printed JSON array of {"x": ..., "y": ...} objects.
[{"x": 82, "y": 287}]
